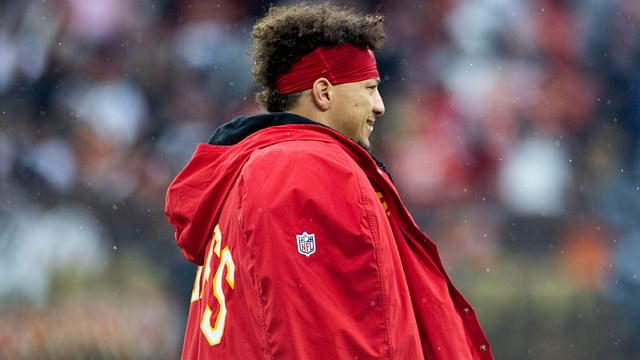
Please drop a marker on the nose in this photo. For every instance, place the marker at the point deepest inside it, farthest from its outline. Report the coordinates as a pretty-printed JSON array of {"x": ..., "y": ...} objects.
[{"x": 378, "y": 104}]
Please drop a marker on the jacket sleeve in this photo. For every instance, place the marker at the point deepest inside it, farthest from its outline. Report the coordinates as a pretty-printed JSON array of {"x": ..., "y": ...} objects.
[{"x": 315, "y": 258}]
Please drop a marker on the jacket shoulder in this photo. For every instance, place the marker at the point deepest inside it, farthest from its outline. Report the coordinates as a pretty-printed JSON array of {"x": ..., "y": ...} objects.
[
  {"x": 302, "y": 154},
  {"x": 305, "y": 169}
]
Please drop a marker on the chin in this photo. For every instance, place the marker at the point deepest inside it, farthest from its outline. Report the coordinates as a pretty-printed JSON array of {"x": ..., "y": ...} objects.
[{"x": 365, "y": 144}]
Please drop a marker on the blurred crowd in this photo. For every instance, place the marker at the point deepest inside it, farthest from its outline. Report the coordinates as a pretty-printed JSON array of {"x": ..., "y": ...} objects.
[{"x": 512, "y": 131}]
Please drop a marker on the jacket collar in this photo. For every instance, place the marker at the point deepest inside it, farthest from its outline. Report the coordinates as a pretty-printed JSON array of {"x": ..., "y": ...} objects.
[{"x": 241, "y": 127}]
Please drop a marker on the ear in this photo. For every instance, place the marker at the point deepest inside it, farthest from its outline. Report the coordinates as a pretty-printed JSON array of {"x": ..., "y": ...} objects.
[{"x": 322, "y": 93}]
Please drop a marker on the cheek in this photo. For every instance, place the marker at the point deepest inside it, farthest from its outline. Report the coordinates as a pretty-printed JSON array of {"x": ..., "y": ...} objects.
[
  {"x": 361, "y": 106},
  {"x": 362, "y": 110}
]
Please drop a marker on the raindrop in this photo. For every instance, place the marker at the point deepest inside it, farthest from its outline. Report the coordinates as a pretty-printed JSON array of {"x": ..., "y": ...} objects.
[
  {"x": 114, "y": 207},
  {"x": 115, "y": 247},
  {"x": 488, "y": 270}
]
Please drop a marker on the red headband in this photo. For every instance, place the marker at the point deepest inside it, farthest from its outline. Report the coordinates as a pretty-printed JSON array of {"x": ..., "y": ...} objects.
[{"x": 340, "y": 64}]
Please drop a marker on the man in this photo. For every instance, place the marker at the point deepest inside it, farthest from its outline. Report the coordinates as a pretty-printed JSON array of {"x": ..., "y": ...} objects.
[{"x": 305, "y": 250}]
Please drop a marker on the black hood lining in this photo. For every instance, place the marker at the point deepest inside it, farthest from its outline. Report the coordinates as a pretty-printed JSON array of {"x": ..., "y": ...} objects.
[{"x": 242, "y": 126}]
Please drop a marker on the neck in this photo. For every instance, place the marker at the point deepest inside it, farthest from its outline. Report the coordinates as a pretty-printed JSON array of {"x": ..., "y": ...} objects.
[{"x": 310, "y": 112}]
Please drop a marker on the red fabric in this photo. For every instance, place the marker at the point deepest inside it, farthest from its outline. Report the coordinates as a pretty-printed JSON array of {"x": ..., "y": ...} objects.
[
  {"x": 375, "y": 288},
  {"x": 340, "y": 65}
]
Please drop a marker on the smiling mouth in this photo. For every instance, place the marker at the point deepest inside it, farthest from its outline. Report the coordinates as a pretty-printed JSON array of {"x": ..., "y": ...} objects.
[{"x": 370, "y": 125}]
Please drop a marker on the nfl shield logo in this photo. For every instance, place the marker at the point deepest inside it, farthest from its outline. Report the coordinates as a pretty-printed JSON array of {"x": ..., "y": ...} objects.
[{"x": 306, "y": 243}]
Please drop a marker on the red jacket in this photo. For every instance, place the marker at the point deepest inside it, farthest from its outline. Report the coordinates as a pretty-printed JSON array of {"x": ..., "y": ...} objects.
[{"x": 307, "y": 252}]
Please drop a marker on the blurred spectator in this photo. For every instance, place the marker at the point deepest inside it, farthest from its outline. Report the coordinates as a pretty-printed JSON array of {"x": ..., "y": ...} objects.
[
  {"x": 535, "y": 178},
  {"x": 39, "y": 242}
]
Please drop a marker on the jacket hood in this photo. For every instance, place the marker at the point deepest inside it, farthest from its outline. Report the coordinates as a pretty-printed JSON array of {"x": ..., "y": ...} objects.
[
  {"x": 239, "y": 128},
  {"x": 195, "y": 197}
]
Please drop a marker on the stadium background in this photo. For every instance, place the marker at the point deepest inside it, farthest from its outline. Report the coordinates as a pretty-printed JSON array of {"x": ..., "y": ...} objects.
[{"x": 512, "y": 131}]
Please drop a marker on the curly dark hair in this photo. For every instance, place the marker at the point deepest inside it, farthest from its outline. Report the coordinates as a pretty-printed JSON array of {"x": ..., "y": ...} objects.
[{"x": 287, "y": 33}]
